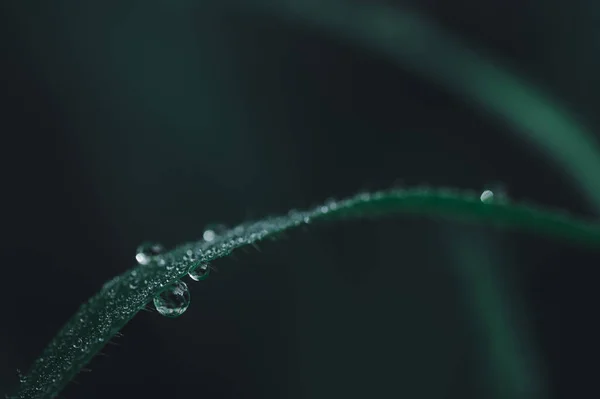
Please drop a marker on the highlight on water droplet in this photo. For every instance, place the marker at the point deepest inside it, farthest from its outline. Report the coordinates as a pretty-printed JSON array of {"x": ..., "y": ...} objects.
[
  {"x": 487, "y": 196},
  {"x": 212, "y": 231},
  {"x": 146, "y": 252},
  {"x": 174, "y": 300},
  {"x": 199, "y": 272}
]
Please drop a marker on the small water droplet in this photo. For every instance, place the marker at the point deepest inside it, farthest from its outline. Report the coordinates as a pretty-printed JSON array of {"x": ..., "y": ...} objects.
[
  {"x": 133, "y": 285},
  {"x": 487, "y": 197},
  {"x": 200, "y": 272},
  {"x": 22, "y": 378},
  {"x": 212, "y": 231},
  {"x": 331, "y": 204},
  {"x": 146, "y": 252},
  {"x": 173, "y": 301}
]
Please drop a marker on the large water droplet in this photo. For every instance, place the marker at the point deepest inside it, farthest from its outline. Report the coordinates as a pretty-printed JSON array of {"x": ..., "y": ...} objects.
[
  {"x": 147, "y": 251},
  {"x": 173, "y": 301},
  {"x": 200, "y": 272},
  {"x": 212, "y": 231}
]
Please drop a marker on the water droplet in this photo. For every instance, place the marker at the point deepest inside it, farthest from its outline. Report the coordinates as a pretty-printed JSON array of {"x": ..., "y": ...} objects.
[
  {"x": 190, "y": 257},
  {"x": 22, "y": 378},
  {"x": 209, "y": 235},
  {"x": 200, "y": 272},
  {"x": 499, "y": 190},
  {"x": 78, "y": 343},
  {"x": 173, "y": 301},
  {"x": 133, "y": 285},
  {"x": 487, "y": 197},
  {"x": 331, "y": 204},
  {"x": 212, "y": 231},
  {"x": 147, "y": 251}
]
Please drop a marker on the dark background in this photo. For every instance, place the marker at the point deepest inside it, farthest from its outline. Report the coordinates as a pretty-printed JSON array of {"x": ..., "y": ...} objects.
[{"x": 147, "y": 120}]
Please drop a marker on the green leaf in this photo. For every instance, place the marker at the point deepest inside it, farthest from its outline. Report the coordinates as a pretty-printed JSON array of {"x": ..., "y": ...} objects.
[{"x": 101, "y": 318}]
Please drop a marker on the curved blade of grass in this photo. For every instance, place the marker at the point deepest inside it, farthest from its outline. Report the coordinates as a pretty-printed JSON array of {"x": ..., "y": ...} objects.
[
  {"x": 101, "y": 318},
  {"x": 419, "y": 45},
  {"x": 512, "y": 366}
]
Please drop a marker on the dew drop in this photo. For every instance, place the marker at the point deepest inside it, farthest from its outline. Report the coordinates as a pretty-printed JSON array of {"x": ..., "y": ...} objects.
[
  {"x": 209, "y": 235},
  {"x": 331, "y": 204},
  {"x": 22, "y": 378},
  {"x": 487, "y": 197},
  {"x": 200, "y": 272},
  {"x": 173, "y": 301},
  {"x": 146, "y": 252},
  {"x": 212, "y": 231}
]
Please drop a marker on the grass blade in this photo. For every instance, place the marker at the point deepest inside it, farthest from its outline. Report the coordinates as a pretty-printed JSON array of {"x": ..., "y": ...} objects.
[{"x": 101, "y": 318}]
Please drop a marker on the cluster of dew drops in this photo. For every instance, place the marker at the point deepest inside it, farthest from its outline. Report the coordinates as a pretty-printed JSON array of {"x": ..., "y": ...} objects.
[{"x": 174, "y": 300}]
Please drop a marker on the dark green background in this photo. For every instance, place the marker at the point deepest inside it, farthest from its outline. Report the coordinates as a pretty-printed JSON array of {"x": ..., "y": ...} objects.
[{"x": 124, "y": 121}]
